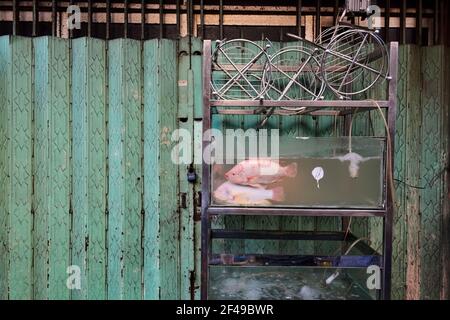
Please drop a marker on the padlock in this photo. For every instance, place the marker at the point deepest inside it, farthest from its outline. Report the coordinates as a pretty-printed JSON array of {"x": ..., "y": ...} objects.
[{"x": 191, "y": 176}]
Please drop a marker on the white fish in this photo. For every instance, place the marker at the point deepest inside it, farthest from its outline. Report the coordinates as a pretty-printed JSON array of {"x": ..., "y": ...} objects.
[
  {"x": 229, "y": 193},
  {"x": 355, "y": 160}
]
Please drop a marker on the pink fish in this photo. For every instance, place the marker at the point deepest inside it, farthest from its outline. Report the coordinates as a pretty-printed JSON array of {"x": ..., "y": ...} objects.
[
  {"x": 260, "y": 172},
  {"x": 232, "y": 194}
]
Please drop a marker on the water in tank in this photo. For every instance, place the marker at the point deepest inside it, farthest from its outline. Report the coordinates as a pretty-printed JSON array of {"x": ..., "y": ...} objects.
[
  {"x": 328, "y": 172},
  {"x": 306, "y": 270}
]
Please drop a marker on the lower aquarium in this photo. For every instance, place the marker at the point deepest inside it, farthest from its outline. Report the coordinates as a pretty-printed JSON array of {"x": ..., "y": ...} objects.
[{"x": 288, "y": 283}]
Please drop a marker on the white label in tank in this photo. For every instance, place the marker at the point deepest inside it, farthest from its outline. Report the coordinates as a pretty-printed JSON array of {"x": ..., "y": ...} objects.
[{"x": 317, "y": 173}]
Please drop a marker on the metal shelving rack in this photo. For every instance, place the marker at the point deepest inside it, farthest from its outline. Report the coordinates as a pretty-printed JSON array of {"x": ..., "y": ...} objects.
[{"x": 317, "y": 108}]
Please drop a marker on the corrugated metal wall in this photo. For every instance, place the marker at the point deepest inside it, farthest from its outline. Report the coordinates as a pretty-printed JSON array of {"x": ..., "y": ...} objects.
[{"x": 86, "y": 176}]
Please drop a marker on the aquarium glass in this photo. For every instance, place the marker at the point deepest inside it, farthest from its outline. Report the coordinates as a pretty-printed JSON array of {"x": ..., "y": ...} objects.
[
  {"x": 287, "y": 283},
  {"x": 328, "y": 172}
]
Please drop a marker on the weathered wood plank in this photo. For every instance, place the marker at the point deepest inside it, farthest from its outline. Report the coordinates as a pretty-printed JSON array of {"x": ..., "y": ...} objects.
[
  {"x": 445, "y": 293},
  {"x": 406, "y": 278},
  {"x": 434, "y": 136}
]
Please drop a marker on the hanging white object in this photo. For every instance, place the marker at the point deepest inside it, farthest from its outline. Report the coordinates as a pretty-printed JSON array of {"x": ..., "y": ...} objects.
[
  {"x": 355, "y": 160},
  {"x": 331, "y": 278},
  {"x": 317, "y": 173}
]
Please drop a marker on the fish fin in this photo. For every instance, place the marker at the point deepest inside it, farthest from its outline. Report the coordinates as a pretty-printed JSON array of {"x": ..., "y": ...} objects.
[
  {"x": 254, "y": 185},
  {"x": 291, "y": 170},
  {"x": 278, "y": 194},
  {"x": 257, "y": 185}
]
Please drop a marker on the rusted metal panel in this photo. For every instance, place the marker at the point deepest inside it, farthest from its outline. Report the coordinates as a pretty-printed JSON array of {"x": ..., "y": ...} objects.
[
  {"x": 17, "y": 149},
  {"x": 89, "y": 178},
  {"x": 125, "y": 171},
  {"x": 52, "y": 222},
  {"x": 5, "y": 119}
]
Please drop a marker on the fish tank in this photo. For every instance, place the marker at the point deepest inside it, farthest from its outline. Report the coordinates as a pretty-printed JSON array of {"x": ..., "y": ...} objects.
[
  {"x": 287, "y": 283},
  {"x": 308, "y": 270},
  {"x": 300, "y": 172}
]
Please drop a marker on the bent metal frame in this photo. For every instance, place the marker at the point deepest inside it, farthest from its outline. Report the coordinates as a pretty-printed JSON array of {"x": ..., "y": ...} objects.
[{"x": 333, "y": 107}]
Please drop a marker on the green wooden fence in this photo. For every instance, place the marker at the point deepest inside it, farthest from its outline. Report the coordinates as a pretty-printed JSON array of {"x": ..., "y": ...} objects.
[{"x": 86, "y": 176}]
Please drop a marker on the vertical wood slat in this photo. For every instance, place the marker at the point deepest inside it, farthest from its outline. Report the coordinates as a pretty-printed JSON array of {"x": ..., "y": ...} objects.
[
  {"x": 445, "y": 293},
  {"x": 16, "y": 215},
  {"x": 185, "y": 123},
  {"x": 412, "y": 80},
  {"x": 406, "y": 171},
  {"x": 169, "y": 214},
  {"x": 152, "y": 110},
  {"x": 161, "y": 174},
  {"x": 40, "y": 235},
  {"x": 5, "y": 147},
  {"x": 433, "y": 166},
  {"x": 89, "y": 166},
  {"x": 52, "y": 168},
  {"x": 196, "y": 69},
  {"x": 125, "y": 174}
]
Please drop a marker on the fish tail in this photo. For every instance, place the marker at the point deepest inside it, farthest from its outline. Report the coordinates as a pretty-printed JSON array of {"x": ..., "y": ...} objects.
[
  {"x": 291, "y": 170},
  {"x": 278, "y": 194}
]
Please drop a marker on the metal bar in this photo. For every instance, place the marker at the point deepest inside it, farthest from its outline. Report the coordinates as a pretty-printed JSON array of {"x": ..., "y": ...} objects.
[
  {"x": 361, "y": 245},
  {"x": 248, "y": 211},
  {"x": 240, "y": 72},
  {"x": 353, "y": 62},
  {"x": 89, "y": 33},
  {"x": 436, "y": 32},
  {"x": 178, "y": 18},
  {"x": 190, "y": 17},
  {"x": 332, "y": 113},
  {"x": 125, "y": 20},
  {"x": 54, "y": 18},
  {"x": 161, "y": 19},
  {"x": 388, "y": 219},
  {"x": 300, "y": 103},
  {"x": 221, "y": 19},
  {"x": 15, "y": 17},
  {"x": 71, "y": 29},
  {"x": 387, "y": 19},
  {"x": 336, "y": 12},
  {"x": 299, "y": 17},
  {"x": 202, "y": 18},
  {"x": 143, "y": 19},
  {"x": 206, "y": 172},
  {"x": 403, "y": 8},
  {"x": 108, "y": 19},
  {"x": 258, "y": 260},
  {"x": 276, "y": 235},
  {"x": 317, "y": 18},
  {"x": 35, "y": 18},
  {"x": 419, "y": 15}
]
